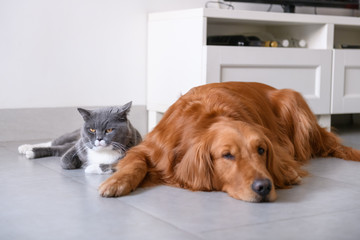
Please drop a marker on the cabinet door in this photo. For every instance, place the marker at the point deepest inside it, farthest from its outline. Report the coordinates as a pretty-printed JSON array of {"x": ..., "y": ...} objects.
[
  {"x": 346, "y": 82},
  {"x": 304, "y": 70}
]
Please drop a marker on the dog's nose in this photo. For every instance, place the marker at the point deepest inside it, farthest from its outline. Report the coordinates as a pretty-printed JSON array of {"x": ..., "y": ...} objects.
[{"x": 261, "y": 186}]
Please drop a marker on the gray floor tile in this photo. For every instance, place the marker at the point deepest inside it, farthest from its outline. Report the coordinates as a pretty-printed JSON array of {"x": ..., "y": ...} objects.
[
  {"x": 332, "y": 226},
  {"x": 59, "y": 208},
  {"x": 336, "y": 169}
]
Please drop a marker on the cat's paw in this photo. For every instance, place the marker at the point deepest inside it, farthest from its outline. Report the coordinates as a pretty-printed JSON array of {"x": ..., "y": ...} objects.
[
  {"x": 96, "y": 169},
  {"x": 115, "y": 186},
  {"x": 30, "y": 154},
  {"x": 24, "y": 148},
  {"x": 93, "y": 168}
]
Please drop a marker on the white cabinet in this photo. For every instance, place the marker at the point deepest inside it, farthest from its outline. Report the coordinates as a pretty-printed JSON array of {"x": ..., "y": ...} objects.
[
  {"x": 346, "y": 82},
  {"x": 179, "y": 57},
  {"x": 298, "y": 69}
]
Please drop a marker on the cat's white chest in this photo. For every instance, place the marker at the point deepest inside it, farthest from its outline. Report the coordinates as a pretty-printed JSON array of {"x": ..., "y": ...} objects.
[{"x": 103, "y": 156}]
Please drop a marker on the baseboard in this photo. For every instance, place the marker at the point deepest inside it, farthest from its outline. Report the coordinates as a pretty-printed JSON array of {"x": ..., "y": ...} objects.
[{"x": 48, "y": 123}]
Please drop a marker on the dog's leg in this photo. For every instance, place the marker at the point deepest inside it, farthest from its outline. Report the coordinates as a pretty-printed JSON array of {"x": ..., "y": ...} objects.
[
  {"x": 297, "y": 121},
  {"x": 329, "y": 145},
  {"x": 347, "y": 153},
  {"x": 130, "y": 172}
]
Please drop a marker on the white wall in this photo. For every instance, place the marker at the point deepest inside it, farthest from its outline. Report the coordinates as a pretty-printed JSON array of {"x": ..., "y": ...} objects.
[
  {"x": 63, "y": 53},
  {"x": 57, "y": 53}
]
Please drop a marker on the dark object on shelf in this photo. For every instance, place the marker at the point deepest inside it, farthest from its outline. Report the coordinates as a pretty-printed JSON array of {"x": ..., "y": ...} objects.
[
  {"x": 254, "y": 41},
  {"x": 350, "y": 46},
  {"x": 234, "y": 40},
  {"x": 240, "y": 40},
  {"x": 289, "y": 5}
]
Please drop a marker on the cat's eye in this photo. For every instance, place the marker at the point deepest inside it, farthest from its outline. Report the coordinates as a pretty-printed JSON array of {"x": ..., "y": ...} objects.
[
  {"x": 109, "y": 130},
  {"x": 92, "y": 130}
]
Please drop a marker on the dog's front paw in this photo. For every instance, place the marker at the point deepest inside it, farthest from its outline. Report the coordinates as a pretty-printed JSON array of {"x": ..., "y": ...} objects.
[
  {"x": 115, "y": 186},
  {"x": 295, "y": 177}
]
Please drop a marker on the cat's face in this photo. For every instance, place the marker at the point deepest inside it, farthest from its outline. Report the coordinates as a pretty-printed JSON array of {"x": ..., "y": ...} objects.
[{"x": 106, "y": 128}]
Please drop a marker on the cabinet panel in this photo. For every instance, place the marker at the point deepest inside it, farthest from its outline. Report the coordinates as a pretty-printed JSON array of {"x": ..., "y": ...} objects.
[
  {"x": 305, "y": 80},
  {"x": 306, "y": 71},
  {"x": 174, "y": 59},
  {"x": 346, "y": 81}
]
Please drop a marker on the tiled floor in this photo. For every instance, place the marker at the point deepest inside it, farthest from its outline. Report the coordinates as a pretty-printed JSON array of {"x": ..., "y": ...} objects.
[{"x": 39, "y": 200}]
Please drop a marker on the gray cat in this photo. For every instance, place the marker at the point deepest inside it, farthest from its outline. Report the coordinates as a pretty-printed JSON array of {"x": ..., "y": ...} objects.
[{"x": 104, "y": 139}]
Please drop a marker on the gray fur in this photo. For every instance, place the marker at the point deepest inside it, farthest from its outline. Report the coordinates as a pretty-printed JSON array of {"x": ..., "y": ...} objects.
[{"x": 111, "y": 132}]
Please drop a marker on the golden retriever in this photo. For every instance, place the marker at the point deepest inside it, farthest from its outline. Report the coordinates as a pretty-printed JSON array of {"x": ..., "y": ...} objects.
[{"x": 245, "y": 139}]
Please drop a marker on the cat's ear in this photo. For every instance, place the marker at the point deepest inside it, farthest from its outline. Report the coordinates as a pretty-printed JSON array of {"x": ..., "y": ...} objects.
[
  {"x": 123, "y": 111},
  {"x": 126, "y": 108},
  {"x": 84, "y": 113}
]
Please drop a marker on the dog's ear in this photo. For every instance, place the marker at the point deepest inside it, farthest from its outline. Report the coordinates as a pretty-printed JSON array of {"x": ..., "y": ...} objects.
[
  {"x": 282, "y": 166},
  {"x": 195, "y": 170}
]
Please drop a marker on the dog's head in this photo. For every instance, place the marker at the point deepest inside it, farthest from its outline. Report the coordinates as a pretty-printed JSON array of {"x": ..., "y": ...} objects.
[{"x": 237, "y": 158}]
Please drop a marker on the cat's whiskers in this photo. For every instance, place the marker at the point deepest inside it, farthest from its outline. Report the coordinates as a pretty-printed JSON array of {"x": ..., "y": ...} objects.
[
  {"x": 80, "y": 149},
  {"x": 119, "y": 146}
]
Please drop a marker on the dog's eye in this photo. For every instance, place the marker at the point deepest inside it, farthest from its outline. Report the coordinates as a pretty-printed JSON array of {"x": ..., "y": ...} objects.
[
  {"x": 261, "y": 151},
  {"x": 228, "y": 156}
]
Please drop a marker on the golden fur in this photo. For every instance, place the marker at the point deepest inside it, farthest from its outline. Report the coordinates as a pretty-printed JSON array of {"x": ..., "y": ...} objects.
[{"x": 245, "y": 139}]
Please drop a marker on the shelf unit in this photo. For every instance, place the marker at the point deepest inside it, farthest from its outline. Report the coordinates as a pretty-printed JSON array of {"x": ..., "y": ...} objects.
[{"x": 179, "y": 57}]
